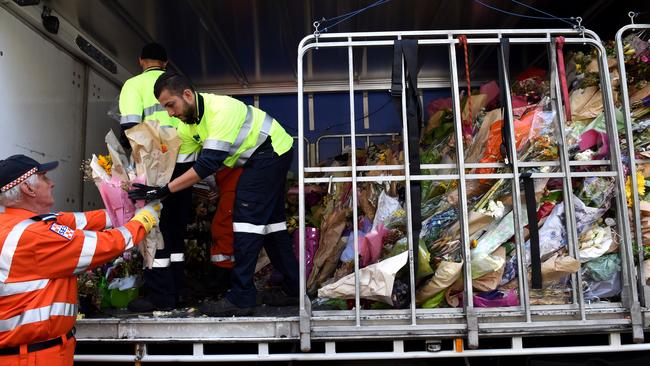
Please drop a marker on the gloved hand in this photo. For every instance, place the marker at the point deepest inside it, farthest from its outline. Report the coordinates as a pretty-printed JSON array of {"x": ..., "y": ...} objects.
[
  {"x": 149, "y": 215},
  {"x": 148, "y": 193}
]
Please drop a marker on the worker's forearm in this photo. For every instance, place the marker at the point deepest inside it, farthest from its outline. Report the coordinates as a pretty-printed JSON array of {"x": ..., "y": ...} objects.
[{"x": 188, "y": 179}]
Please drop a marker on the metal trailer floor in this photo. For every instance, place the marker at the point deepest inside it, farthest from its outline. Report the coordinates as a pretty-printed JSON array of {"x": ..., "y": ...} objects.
[{"x": 273, "y": 335}]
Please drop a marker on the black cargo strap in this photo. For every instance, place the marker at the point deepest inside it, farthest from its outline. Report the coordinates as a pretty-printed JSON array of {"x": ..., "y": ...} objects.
[
  {"x": 533, "y": 229},
  {"x": 408, "y": 49},
  {"x": 504, "y": 80}
]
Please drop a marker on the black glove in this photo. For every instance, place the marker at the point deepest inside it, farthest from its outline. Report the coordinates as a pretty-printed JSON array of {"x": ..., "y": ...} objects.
[{"x": 148, "y": 193}]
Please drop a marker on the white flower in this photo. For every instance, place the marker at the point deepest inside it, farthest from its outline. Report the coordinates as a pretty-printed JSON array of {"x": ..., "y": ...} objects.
[
  {"x": 585, "y": 155},
  {"x": 493, "y": 209}
]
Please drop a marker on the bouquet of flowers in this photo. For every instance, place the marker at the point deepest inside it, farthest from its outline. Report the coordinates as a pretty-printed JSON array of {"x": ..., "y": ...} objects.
[
  {"x": 123, "y": 279},
  {"x": 113, "y": 175},
  {"x": 155, "y": 149}
]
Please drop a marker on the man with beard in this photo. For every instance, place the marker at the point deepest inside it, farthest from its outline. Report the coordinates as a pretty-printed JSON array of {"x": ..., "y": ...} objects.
[{"x": 226, "y": 132}]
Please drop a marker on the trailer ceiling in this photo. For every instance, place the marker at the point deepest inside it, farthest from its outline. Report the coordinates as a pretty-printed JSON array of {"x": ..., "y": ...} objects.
[{"x": 251, "y": 44}]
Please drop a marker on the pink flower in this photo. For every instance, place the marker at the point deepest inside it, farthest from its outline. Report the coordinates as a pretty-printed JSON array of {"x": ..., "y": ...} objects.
[{"x": 645, "y": 58}]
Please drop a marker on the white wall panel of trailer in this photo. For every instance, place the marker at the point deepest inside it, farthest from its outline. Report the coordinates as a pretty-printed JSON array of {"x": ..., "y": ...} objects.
[
  {"x": 43, "y": 101},
  {"x": 101, "y": 97}
]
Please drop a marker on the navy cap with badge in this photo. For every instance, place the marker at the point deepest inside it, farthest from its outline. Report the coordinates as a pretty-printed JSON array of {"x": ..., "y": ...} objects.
[{"x": 17, "y": 168}]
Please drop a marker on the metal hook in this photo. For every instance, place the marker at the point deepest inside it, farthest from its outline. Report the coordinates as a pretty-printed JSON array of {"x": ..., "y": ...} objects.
[
  {"x": 579, "y": 27},
  {"x": 316, "y": 31},
  {"x": 632, "y": 15}
]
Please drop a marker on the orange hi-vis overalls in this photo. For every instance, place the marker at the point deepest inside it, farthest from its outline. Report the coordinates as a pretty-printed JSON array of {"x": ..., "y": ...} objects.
[
  {"x": 221, "y": 251},
  {"x": 40, "y": 256}
]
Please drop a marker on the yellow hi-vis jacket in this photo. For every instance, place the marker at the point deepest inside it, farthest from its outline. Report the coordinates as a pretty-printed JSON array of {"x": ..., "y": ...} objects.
[
  {"x": 228, "y": 132},
  {"x": 138, "y": 103}
]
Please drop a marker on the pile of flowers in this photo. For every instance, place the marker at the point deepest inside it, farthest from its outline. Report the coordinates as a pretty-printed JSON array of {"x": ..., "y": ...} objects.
[{"x": 439, "y": 283}]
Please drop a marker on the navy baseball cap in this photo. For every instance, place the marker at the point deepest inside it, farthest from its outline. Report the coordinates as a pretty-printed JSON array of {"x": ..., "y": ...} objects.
[
  {"x": 154, "y": 51},
  {"x": 17, "y": 168}
]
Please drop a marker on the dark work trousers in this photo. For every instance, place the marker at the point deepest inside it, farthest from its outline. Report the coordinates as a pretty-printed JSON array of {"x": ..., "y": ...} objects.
[
  {"x": 166, "y": 279},
  {"x": 259, "y": 220}
]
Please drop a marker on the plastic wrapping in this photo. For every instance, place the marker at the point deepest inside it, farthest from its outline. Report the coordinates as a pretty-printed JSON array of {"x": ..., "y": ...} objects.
[
  {"x": 482, "y": 260},
  {"x": 312, "y": 236},
  {"x": 155, "y": 149},
  {"x": 375, "y": 281},
  {"x": 370, "y": 244},
  {"x": 491, "y": 299},
  {"x": 597, "y": 290},
  {"x": 552, "y": 235},
  {"x": 603, "y": 268},
  {"x": 445, "y": 275},
  {"x": 424, "y": 257},
  {"x": 595, "y": 242},
  {"x": 114, "y": 184}
]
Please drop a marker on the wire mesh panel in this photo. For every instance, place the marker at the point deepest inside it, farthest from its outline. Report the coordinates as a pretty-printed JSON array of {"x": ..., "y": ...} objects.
[{"x": 511, "y": 208}]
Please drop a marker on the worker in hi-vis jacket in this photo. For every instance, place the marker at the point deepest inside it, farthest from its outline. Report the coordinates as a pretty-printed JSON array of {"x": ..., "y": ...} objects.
[
  {"x": 233, "y": 134},
  {"x": 165, "y": 281},
  {"x": 41, "y": 254}
]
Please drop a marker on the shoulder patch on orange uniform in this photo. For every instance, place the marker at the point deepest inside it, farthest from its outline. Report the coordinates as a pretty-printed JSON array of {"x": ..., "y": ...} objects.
[{"x": 62, "y": 230}]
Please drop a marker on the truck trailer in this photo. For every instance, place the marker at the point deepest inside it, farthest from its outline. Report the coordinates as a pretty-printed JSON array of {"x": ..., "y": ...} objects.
[{"x": 342, "y": 89}]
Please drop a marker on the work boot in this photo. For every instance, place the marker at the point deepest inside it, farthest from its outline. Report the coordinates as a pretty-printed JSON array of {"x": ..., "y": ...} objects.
[
  {"x": 223, "y": 308},
  {"x": 218, "y": 280},
  {"x": 143, "y": 305},
  {"x": 277, "y": 297}
]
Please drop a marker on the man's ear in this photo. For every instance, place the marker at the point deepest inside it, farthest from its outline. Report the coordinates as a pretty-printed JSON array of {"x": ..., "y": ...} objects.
[
  {"x": 188, "y": 95},
  {"x": 27, "y": 190}
]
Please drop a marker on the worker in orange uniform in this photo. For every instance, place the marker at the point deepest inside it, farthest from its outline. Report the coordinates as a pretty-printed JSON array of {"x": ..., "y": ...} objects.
[
  {"x": 221, "y": 252},
  {"x": 40, "y": 255}
]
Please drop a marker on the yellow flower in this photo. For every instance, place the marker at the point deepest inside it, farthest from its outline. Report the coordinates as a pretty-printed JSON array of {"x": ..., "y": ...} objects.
[
  {"x": 640, "y": 187},
  {"x": 640, "y": 183},
  {"x": 105, "y": 162}
]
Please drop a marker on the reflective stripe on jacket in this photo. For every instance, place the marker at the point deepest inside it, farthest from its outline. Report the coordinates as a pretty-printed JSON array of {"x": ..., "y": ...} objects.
[
  {"x": 231, "y": 126},
  {"x": 39, "y": 258},
  {"x": 138, "y": 103}
]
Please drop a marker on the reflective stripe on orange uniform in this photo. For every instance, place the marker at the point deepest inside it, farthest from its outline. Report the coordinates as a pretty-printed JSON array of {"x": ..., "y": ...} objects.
[
  {"x": 90, "y": 220},
  {"x": 221, "y": 251},
  {"x": 39, "y": 258}
]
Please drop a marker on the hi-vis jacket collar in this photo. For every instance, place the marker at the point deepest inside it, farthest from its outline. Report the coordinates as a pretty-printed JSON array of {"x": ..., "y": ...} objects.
[
  {"x": 154, "y": 68},
  {"x": 200, "y": 108}
]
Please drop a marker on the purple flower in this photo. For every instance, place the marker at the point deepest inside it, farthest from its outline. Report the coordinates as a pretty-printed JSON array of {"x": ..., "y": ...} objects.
[{"x": 127, "y": 255}]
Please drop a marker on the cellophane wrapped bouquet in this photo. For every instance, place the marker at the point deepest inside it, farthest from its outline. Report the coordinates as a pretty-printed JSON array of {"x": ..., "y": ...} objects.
[{"x": 154, "y": 152}]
